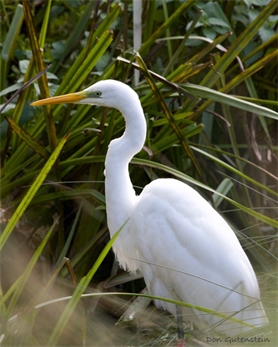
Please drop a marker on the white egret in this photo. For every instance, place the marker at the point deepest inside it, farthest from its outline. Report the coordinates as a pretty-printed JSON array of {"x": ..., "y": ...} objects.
[{"x": 184, "y": 249}]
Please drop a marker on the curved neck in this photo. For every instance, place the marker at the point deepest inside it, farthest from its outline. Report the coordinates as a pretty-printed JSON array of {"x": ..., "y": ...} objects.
[{"x": 119, "y": 192}]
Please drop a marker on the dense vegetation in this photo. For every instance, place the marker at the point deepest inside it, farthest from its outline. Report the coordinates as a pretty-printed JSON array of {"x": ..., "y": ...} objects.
[{"x": 211, "y": 109}]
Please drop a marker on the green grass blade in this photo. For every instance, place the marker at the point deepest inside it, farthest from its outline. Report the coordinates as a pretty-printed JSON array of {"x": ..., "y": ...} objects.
[
  {"x": 45, "y": 24},
  {"x": 13, "y": 33},
  {"x": 239, "y": 173},
  {"x": 70, "y": 194},
  {"x": 31, "y": 193},
  {"x": 43, "y": 84},
  {"x": 178, "y": 51},
  {"x": 69, "y": 238},
  {"x": 28, "y": 139},
  {"x": 168, "y": 33},
  {"x": 72, "y": 85},
  {"x": 239, "y": 44},
  {"x": 30, "y": 70},
  {"x": 189, "y": 179},
  {"x": 223, "y": 189},
  {"x": 28, "y": 270},
  {"x": 72, "y": 82},
  {"x": 250, "y": 71},
  {"x": 215, "y": 95},
  {"x": 174, "y": 17},
  {"x": 78, "y": 257},
  {"x": 75, "y": 35},
  {"x": 102, "y": 29},
  {"x": 150, "y": 14},
  {"x": 79, "y": 291},
  {"x": 169, "y": 115},
  {"x": 9, "y": 44},
  {"x": 175, "y": 302}
]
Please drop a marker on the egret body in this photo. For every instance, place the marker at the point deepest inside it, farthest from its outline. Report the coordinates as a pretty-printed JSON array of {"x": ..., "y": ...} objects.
[{"x": 184, "y": 249}]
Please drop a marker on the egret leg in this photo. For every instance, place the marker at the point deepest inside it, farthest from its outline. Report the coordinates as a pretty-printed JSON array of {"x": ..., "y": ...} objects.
[{"x": 180, "y": 339}]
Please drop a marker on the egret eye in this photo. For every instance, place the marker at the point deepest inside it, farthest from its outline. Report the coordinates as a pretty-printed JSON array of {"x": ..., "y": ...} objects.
[{"x": 98, "y": 93}]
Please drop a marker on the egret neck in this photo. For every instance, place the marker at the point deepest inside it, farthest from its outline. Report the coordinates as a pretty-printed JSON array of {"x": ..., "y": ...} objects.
[{"x": 119, "y": 192}]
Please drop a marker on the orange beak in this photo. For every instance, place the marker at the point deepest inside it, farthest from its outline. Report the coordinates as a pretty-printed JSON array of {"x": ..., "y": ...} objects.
[{"x": 62, "y": 99}]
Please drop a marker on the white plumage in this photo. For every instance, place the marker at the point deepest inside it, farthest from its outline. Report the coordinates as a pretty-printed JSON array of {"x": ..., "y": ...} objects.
[{"x": 184, "y": 249}]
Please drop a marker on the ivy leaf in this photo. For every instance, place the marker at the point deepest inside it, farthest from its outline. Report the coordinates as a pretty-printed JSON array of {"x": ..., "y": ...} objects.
[
  {"x": 260, "y": 2},
  {"x": 210, "y": 33},
  {"x": 218, "y": 21},
  {"x": 266, "y": 33},
  {"x": 23, "y": 66}
]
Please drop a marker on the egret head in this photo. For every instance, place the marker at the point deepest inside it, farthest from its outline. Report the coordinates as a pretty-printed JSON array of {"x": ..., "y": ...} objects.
[{"x": 109, "y": 93}]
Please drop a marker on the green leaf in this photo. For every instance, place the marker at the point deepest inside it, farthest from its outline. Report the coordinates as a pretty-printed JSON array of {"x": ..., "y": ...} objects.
[
  {"x": 75, "y": 34},
  {"x": 223, "y": 189},
  {"x": 218, "y": 21},
  {"x": 173, "y": 18},
  {"x": 238, "y": 45}
]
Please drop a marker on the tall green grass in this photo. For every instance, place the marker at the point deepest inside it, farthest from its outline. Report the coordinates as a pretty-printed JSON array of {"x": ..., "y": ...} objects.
[{"x": 211, "y": 109}]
